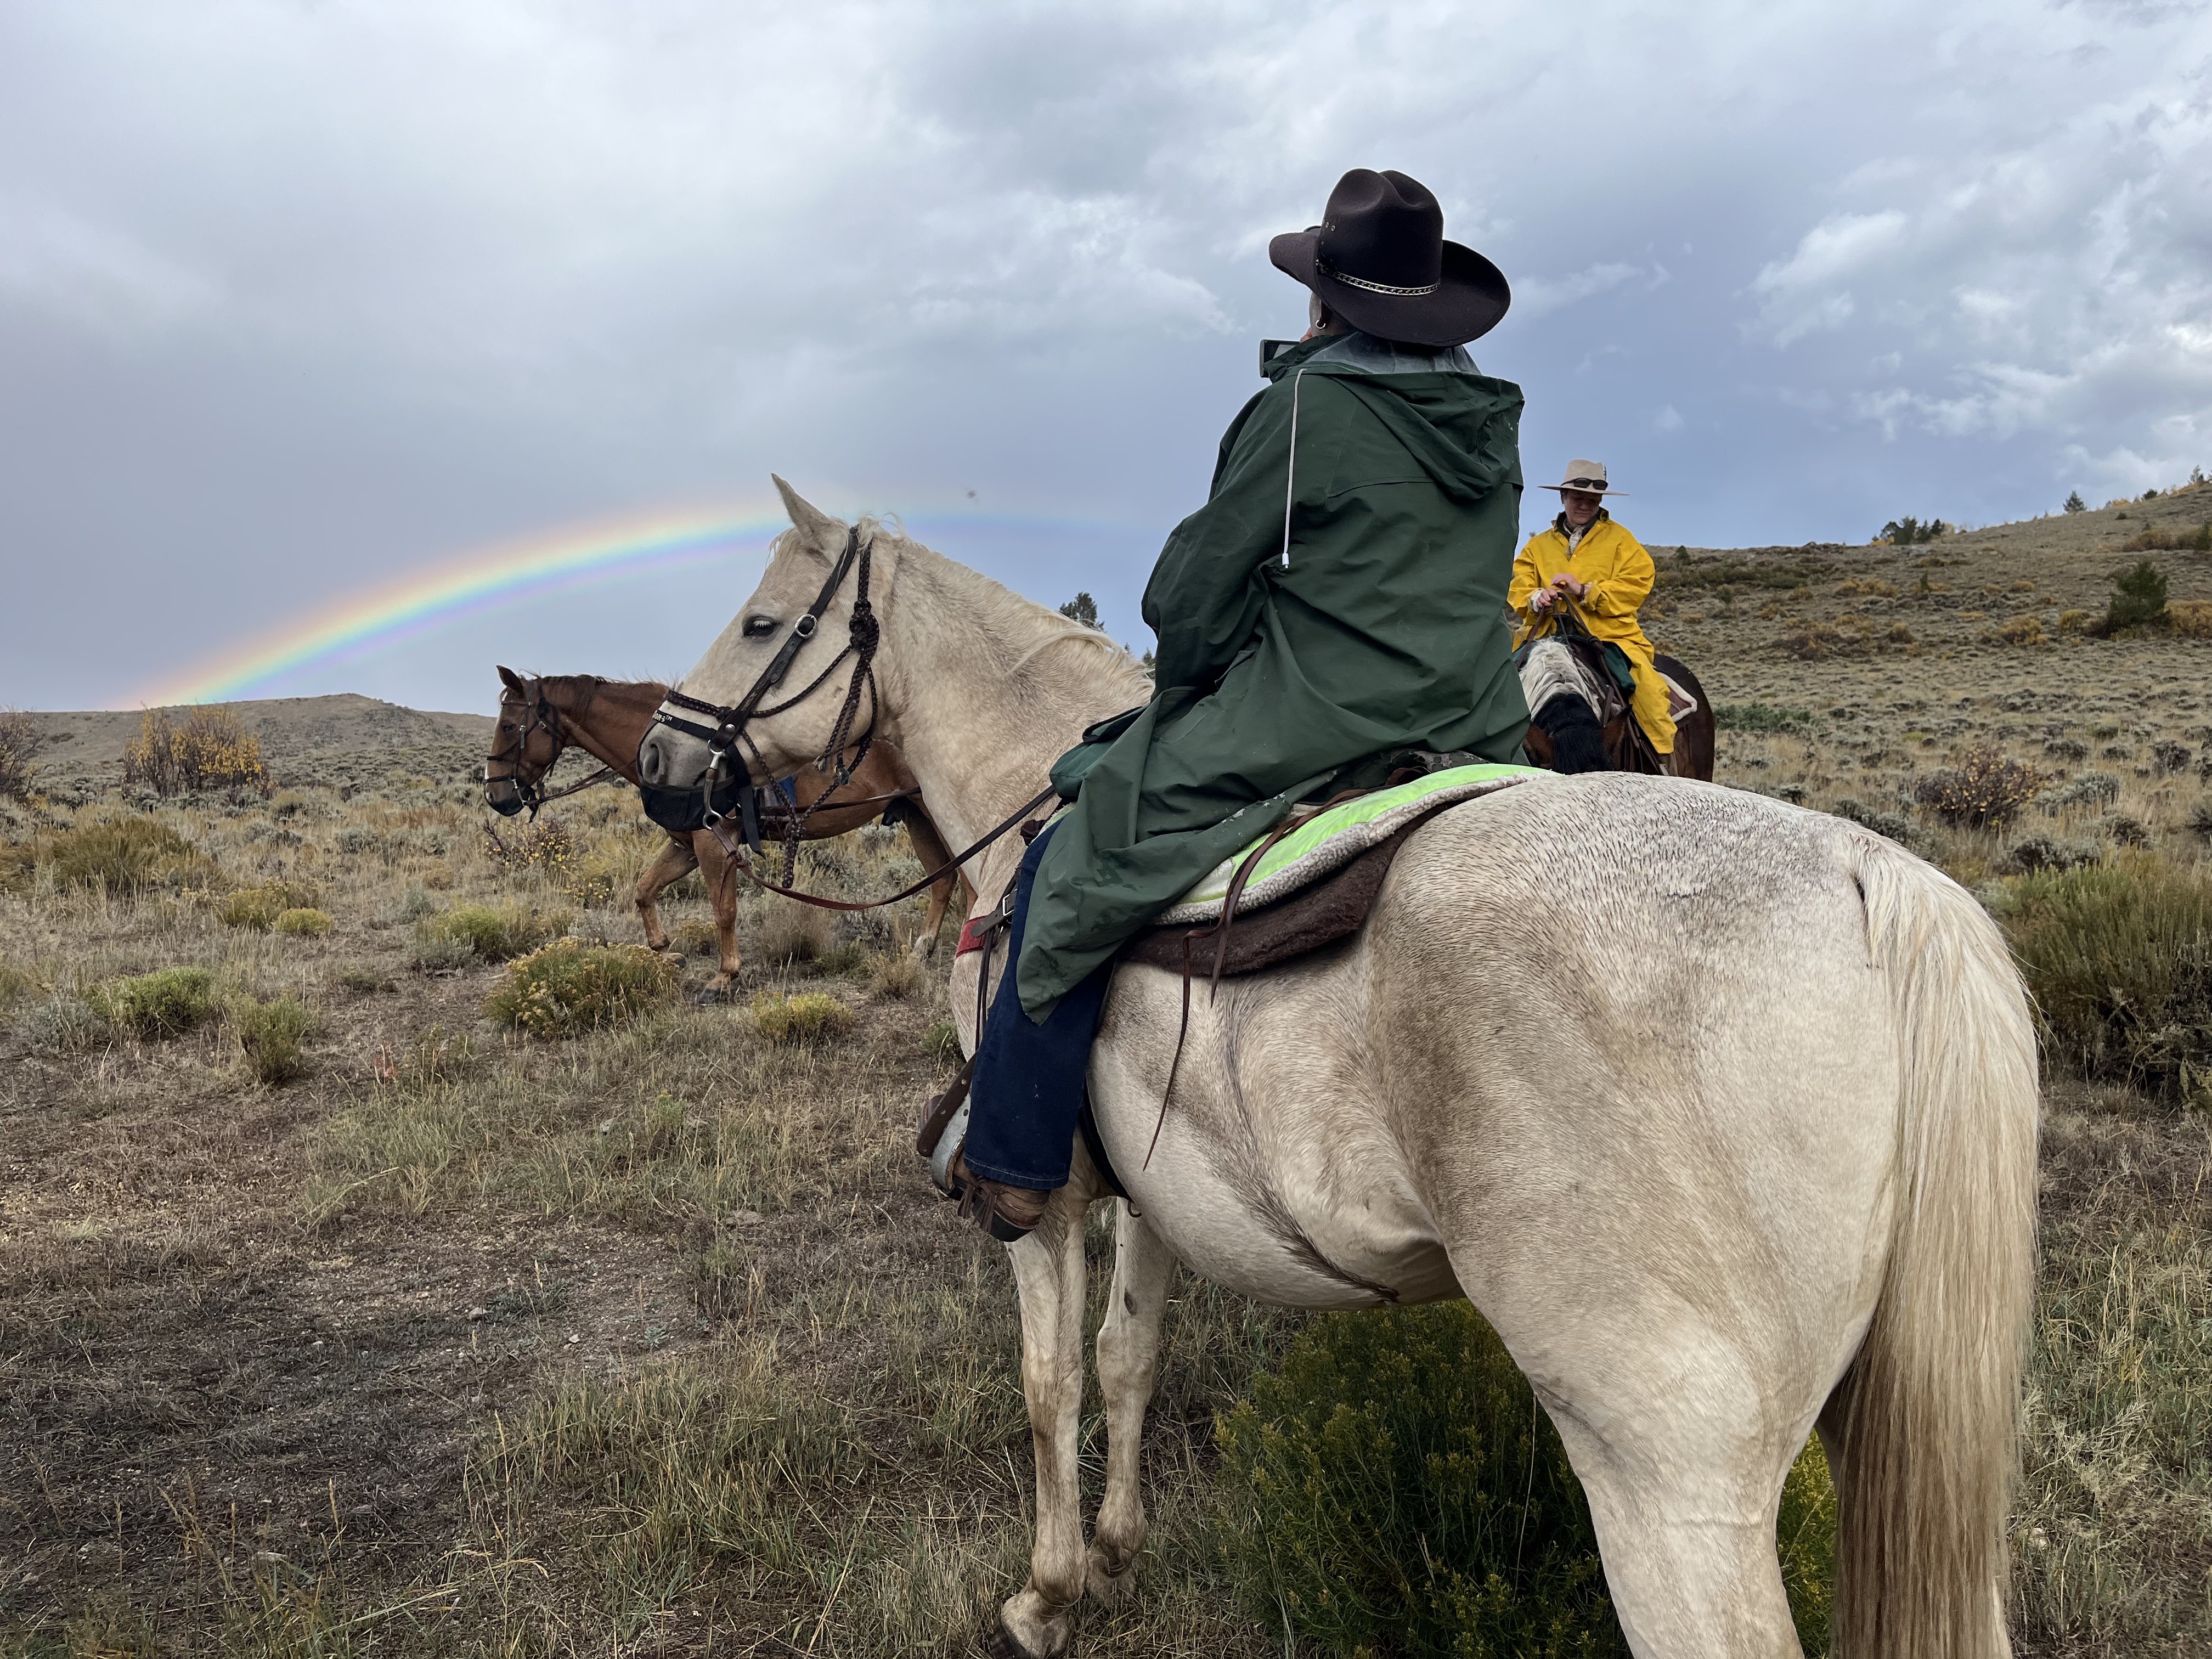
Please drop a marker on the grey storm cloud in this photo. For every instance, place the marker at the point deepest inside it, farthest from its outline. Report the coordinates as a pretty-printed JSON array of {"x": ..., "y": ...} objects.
[{"x": 294, "y": 298}]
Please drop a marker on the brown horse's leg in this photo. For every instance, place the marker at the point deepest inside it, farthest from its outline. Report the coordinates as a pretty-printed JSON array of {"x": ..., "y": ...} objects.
[
  {"x": 929, "y": 847},
  {"x": 676, "y": 861},
  {"x": 722, "y": 888}
]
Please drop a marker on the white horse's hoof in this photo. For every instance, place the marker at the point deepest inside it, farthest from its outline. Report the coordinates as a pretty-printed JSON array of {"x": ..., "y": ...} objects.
[
  {"x": 1105, "y": 1586},
  {"x": 1030, "y": 1628}
]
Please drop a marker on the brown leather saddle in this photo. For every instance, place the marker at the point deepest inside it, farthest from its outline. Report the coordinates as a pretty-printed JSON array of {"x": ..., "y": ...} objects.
[{"x": 1332, "y": 909}]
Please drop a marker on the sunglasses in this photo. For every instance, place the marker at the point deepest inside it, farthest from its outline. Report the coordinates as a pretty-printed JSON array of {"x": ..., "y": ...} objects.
[{"x": 1597, "y": 484}]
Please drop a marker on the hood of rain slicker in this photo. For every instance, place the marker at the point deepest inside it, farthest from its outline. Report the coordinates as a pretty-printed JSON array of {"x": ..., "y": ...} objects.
[{"x": 1462, "y": 428}]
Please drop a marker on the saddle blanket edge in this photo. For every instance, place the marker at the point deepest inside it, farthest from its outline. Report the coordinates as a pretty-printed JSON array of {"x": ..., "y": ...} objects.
[{"x": 1335, "y": 836}]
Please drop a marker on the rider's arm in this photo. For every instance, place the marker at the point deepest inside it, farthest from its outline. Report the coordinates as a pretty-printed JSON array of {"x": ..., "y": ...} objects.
[
  {"x": 1527, "y": 578},
  {"x": 1202, "y": 600},
  {"x": 1620, "y": 589}
]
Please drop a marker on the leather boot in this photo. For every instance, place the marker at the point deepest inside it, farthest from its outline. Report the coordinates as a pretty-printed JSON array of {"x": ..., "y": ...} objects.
[{"x": 1007, "y": 1213}]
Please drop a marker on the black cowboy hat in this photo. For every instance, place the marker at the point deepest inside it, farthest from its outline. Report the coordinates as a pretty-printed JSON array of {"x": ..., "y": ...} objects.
[{"x": 1379, "y": 260}]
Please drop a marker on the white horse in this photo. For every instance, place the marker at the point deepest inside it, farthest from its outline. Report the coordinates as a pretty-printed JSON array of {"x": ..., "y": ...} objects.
[{"x": 1723, "y": 1113}]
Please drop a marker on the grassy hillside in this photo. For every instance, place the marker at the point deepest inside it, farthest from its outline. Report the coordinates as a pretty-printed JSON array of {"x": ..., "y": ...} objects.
[
  {"x": 343, "y": 740},
  {"x": 431, "y": 1335}
]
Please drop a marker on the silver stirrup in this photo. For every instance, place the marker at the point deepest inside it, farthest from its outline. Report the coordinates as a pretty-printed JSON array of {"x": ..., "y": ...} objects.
[{"x": 948, "y": 1148}]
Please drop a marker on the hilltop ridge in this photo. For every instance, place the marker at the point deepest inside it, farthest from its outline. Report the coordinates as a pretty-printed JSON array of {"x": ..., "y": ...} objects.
[{"x": 338, "y": 739}]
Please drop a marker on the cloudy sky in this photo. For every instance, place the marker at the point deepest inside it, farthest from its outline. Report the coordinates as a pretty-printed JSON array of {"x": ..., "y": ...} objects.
[{"x": 301, "y": 297}]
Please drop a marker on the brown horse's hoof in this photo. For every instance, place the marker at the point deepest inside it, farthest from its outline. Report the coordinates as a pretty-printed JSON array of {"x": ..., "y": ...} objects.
[{"x": 711, "y": 995}]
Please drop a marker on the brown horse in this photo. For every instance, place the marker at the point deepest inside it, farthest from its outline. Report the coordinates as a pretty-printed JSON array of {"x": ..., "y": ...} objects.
[
  {"x": 539, "y": 718},
  {"x": 1625, "y": 744}
]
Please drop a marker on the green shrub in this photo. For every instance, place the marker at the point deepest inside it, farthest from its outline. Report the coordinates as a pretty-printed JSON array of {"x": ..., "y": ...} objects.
[
  {"x": 1382, "y": 1494},
  {"x": 257, "y": 907},
  {"x": 1382, "y": 1474},
  {"x": 1761, "y": 717},
  {"x": 495, "y": 932},
  {"x": 304, "y": 922},
  {"x": 807, "y": 1017},
  {"x": 364, "y": 981},
  {"x": 125, "y": 855},
  {"x": 569, "y": 987},
  {"x": 2118, "y": 959},
  {"x": 166, "y": 1003},
  {"x": 273, "y": 1037}
]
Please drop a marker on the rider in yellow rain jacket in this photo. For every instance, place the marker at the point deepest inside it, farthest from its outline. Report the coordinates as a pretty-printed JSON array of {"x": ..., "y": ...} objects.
[{"x": 1588, "y": 558}]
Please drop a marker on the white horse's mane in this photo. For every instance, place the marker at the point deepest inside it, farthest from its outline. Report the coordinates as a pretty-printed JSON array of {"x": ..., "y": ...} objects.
[{"x": 1011, "y": 630}]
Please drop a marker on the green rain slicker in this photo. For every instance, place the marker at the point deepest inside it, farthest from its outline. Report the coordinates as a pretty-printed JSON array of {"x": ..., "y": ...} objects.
[{"x": 1385, "y": 630}]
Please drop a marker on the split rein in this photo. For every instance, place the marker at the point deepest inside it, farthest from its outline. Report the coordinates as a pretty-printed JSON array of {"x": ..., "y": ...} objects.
[{"x": 724, "y": 738}]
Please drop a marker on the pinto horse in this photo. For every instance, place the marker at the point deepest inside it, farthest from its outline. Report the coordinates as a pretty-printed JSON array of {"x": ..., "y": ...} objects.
[
  {"x": 1722, "y": 1112},
  {"x": 1694, "y": 746},
  {"x": 539, "y": 718}
]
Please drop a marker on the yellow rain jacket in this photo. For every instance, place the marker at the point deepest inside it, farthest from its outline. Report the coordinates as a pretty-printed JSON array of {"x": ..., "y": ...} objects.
[{"x": 1620, "y": 574}]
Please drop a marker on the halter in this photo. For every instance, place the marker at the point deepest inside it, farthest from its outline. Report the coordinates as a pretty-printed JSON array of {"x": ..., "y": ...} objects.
[{"x": 723, "y": 738}]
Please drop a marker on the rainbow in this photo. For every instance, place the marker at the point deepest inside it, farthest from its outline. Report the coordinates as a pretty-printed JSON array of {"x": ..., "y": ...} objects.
[
  {"x": 565, "y": 560},
  {"x": 577, "y": 556}
]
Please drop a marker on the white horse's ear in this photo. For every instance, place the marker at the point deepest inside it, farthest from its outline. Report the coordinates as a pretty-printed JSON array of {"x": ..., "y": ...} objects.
[{"x": 826, "y": 533}]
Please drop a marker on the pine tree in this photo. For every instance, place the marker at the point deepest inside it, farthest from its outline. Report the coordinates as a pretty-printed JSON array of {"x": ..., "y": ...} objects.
[
  {"x": 1083, "y": 609},
  {"x": 2074, "y": 503},
  {"x": 2138, "y": 597}
]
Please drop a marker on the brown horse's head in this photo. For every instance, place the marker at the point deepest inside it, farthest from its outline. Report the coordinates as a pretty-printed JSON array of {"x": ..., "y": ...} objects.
[{"x": 526, "y": 741}]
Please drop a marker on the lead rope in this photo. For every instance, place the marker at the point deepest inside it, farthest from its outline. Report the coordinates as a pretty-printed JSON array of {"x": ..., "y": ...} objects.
[{"x": 1291, "y": 472}]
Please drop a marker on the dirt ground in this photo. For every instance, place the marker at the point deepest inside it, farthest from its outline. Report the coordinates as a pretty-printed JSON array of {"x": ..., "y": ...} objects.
[{"x": 654, "y": 1340}]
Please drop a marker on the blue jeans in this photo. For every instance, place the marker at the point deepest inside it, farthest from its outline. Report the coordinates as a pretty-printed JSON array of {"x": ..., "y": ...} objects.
[{"x": 1029, "y": 1084}]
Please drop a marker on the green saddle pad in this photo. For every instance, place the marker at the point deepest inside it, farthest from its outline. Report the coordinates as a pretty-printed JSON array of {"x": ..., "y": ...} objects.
[{"x": 1334, "y": 836}]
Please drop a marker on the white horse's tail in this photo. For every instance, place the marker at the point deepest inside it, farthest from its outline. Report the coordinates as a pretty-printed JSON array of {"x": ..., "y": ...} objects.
[{"x": 1926, "y": 1414}]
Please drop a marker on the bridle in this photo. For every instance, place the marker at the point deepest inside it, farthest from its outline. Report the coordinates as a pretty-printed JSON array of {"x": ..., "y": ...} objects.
[
  {"x": 544, "y": 717},
  {"x": 724, "y": 738}
]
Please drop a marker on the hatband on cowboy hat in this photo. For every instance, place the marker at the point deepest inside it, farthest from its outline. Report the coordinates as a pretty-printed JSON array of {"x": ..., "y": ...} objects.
[
  {"x": 1585, "y": 478},
  {"x": 1379, "y": 260}
]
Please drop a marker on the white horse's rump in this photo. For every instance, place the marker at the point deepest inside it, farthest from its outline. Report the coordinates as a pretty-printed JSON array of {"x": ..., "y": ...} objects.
[{"x": 1723, "y": 1113}]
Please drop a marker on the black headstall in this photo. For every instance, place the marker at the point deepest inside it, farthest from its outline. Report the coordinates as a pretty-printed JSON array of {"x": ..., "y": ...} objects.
[
  {"x": 726, "y": 739},
  {"x": 544, "y": 716}
]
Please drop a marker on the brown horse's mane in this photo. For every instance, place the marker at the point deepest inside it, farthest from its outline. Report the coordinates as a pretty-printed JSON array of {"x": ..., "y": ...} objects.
[{"x": 609, "y": 718}]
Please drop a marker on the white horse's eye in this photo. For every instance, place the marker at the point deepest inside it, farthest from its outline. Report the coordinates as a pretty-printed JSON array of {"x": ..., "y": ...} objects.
[{"x": 759, "y": 628}]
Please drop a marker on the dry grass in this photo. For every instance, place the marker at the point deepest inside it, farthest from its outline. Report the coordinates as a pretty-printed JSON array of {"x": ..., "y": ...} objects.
[{"x": 464, "y": 1343}]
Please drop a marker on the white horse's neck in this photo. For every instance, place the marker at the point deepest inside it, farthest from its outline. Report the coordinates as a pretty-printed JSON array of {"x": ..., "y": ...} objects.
[{"x": 984, "y": 689}]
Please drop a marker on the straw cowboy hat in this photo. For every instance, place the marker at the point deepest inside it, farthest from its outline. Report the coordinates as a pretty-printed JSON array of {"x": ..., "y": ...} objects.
[
  {"x": 1586, "y": 477},
  {"x": 1379, "y": 260}
]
